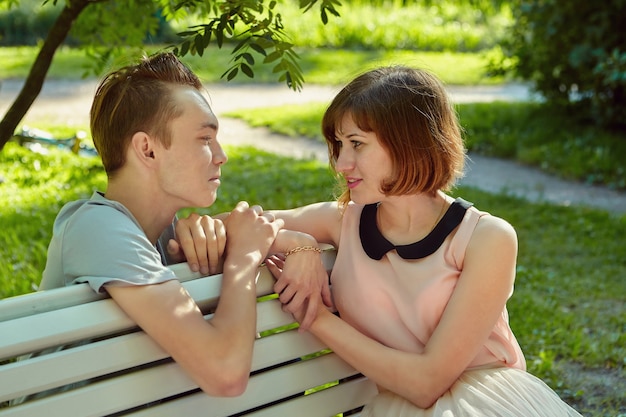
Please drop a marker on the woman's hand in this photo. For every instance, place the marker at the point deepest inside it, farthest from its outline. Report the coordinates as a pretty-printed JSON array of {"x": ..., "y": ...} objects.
[{"x": 302, "y": 285}]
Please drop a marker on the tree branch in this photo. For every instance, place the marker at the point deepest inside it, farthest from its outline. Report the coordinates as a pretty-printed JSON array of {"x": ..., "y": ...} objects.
[{"x": 39, "y": 69}]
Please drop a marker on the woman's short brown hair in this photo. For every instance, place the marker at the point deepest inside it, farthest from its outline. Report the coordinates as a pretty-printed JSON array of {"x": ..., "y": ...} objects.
[
  {"x": 137, "y": 98},
  {"x": 409, "y": 111}
]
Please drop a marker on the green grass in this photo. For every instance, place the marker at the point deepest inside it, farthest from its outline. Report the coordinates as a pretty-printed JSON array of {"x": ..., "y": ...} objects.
[
  {"x": 450, "y": 37},
  {"x": 33, "y": 189},
  {"x": 531, "y": 133},
  {"x": 448, "y": 25},
  {"x": 319, "y": 65},
  {"x": 567, "y": 309},
  {"x": 15, "y": 62},
  {"x": 539, "y": 135}
]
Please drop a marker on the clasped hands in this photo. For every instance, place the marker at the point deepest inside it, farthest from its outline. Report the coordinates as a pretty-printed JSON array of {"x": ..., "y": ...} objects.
[{"x": 301, "y": 280}]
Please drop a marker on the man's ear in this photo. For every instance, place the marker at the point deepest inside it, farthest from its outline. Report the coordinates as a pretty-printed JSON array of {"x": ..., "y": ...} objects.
[{"x": 142, "y": 146}]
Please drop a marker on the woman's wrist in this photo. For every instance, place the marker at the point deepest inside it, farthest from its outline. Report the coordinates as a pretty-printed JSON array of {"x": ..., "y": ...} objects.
[
  {"x": 289, "y": 242},
  {"x": 307, "y": 248},
  {"x": 321, "y": 320}
]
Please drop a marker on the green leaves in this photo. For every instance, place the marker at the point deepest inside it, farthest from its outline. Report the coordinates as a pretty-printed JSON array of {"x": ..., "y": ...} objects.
[
  {"x": 326, "y": 7},
  {"x": 259, "y": 31},
  {"x": 570, "y": 50}
]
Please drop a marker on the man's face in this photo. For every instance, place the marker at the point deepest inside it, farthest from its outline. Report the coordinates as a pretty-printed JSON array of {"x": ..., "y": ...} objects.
[{"x": 190, "y": 169}]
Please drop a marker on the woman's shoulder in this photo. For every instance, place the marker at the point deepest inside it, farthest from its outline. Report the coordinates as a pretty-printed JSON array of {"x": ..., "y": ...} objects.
[
  {"x": 494, "y": 224},
  {"x": 493, "y": 231}
]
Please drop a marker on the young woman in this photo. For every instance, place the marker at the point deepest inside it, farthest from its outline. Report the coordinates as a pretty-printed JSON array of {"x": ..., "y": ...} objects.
[{"x": 421, "y": 280}]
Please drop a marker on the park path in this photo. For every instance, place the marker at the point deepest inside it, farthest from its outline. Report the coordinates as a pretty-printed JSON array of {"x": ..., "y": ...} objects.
[{"x": 69, "y": 102}]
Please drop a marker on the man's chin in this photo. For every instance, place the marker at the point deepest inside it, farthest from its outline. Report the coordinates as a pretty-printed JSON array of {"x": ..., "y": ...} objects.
[{"x": 207, "y": 201}]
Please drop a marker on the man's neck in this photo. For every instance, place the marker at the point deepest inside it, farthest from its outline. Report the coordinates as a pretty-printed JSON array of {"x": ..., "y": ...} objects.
[{"x": 145, "y": 205}]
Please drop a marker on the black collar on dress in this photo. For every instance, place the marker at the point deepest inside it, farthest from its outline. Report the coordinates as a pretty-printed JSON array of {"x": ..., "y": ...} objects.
[{"x": 376, "y": 245}]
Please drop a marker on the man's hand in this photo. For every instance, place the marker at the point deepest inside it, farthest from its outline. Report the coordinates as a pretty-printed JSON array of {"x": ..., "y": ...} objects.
[
  {"x": 201, "y": 241},
  {"x": 251, "y": 232},
  {"x": 302, "y": 285}
]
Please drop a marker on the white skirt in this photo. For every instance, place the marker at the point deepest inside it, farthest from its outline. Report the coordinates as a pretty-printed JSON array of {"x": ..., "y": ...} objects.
[{"x": 491, "y": 392}]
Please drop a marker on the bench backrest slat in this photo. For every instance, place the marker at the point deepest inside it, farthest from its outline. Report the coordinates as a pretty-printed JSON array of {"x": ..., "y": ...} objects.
[
  {"x": 263, "y": 388},
  {"x": 44, "y": 301},
  {"x": 343, "y": 397},
  {"x": 126, "y": 351},
  {"x": 128, "y": 373},
  {"x": 54, "y": 328},
  {"x": 83, "y": 321},
  {"x": 166, "y": 380}
]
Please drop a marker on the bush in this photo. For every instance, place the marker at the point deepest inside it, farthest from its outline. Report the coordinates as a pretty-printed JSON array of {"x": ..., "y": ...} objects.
[
  {"x": 30, "y": 21},
  {"x": 27, "y": 24},
  {"x": 574, "y": 51}
]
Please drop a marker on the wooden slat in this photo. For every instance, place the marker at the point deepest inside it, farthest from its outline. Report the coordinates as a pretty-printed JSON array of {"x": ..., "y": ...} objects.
[
  {"x": 132, "y": 390},
  {"x": 283, "y": 347},
  {"x": 264, "y": 388},
  {"x": 329, "y": 402},
  {"x": 35, "y": 333},
  {"x": 127, "y": 351},
  {"x": 44, "y": 301},
  {"x": 58, "y": 298},
  {"x": 70, "y": 324},
  {"x": 109, "y": 396},
  {"x": 76, "y": 364},
  {"x": 38, "y": 328}
]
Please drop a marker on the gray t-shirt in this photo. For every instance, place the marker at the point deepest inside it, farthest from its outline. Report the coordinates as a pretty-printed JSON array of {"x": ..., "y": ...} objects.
[{"x": 98, "y": 241}]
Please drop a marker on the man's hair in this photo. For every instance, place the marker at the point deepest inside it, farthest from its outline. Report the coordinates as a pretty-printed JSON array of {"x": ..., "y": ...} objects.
[
  {"x": 137, "y": 98},
  {"x": 409, "y": 111}
]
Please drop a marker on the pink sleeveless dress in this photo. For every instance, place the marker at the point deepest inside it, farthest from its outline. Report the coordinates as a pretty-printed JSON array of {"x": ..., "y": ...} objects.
[{"x": 399, "y": 302}]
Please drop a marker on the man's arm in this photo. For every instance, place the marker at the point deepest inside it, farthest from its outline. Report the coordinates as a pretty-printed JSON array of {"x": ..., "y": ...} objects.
[{"x": 217, "y": 353}]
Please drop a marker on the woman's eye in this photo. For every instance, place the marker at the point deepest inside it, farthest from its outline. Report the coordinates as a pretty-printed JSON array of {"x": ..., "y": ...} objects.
[{"x": 356, "y": 144}]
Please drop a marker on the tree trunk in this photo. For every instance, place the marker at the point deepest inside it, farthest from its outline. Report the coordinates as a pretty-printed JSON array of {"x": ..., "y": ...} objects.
[{"x": 37, "y": 75}]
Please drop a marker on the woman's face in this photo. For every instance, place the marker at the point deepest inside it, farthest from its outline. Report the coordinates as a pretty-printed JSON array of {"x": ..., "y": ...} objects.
[{"x": 362, "y": 161}]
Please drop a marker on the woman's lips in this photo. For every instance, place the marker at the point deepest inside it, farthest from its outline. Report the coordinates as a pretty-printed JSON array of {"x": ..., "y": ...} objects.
[{"x": 352, "y": 183}]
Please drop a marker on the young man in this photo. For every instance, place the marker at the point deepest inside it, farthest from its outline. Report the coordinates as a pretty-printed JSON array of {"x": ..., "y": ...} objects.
[{"x": 157, "y": 137}]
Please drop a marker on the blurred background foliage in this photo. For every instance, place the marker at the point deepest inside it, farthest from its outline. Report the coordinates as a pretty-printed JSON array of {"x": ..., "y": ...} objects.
[{"x": 572, "y": 51}]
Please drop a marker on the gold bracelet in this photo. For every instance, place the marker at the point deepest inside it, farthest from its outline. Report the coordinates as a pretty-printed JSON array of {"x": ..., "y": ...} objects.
[{"x": 303, "y": 248}]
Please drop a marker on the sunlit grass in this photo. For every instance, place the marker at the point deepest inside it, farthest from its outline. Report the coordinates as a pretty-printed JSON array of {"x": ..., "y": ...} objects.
[
  {"x": 15, "y": 62},
  {"x": 319, "y": 65}
]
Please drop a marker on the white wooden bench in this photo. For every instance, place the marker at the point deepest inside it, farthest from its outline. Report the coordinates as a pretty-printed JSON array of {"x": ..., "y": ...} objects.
[{"x": 130, "y": 375}]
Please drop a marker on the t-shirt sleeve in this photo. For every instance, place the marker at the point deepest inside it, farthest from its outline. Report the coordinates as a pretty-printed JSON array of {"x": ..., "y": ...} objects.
[
  {"x": 103, "y": 246},
  {"x": 168, "y": 233}
]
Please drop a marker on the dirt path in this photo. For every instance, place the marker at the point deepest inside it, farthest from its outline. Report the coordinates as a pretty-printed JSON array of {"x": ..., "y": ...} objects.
[{"x": 69, "y": 102}]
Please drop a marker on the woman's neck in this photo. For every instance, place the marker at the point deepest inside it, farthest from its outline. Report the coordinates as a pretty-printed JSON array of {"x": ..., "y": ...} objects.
[{"x": 407, "y": 219}]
